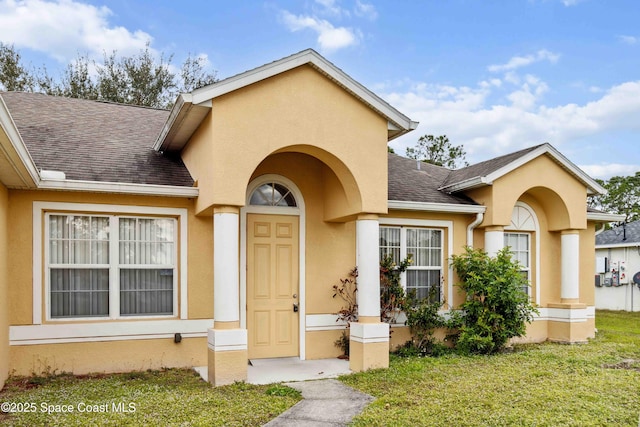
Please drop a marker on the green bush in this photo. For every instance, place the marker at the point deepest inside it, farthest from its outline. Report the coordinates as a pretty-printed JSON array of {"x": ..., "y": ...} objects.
[
  {"x": 496, "y": 309},
  {"x": 423, "y": 318}
]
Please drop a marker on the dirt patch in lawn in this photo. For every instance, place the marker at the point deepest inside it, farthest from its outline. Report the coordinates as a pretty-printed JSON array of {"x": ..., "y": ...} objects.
[{"x": 625, "y": 364}]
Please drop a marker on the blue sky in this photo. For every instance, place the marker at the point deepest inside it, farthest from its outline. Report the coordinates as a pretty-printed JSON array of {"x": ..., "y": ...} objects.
[{"x": 495, "y": 76}]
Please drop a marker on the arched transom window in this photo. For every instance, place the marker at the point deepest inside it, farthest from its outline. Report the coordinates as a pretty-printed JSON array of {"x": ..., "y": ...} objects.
[{"x": 272, "y": 194}]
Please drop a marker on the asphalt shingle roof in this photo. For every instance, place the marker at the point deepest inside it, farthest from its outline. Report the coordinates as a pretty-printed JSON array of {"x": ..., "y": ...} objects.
[
  {"x": 485, "y": 168},
  {"x": 616, "y": 235},
  {"x": 408, "y": 183},
  {"x": 95, "y": 141}
]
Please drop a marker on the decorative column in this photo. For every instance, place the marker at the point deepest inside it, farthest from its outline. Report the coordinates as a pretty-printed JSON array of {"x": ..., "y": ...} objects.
[
  {"x": 570, "y": 267},
  {"x": 227, "y": 354},
  {"x": 569, "y": 321},
  {"x": 369, "y": 341},
  {"x": 493, "y": 239}
]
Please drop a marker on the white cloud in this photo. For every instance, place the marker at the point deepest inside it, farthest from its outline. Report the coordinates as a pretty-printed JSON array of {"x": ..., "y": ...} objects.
[
  {"x": 330, "y": 38},
  {"x": 65, "y": 27},
  {"x": 489, "y": 129},
  {"x": 571, "y": 2},
  {"x": 523, "y": 61},
  {"x": 366, "y": 10},
  {"x": 628, "y": 39},
  {"x": 606, "y": 171},
  {"x": 331, "y": 7}
]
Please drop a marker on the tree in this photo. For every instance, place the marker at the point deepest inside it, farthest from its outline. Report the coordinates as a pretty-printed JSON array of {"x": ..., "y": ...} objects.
[
  {"x": 623, "y": 197},
  {"x": 438, "y": 151},
  {"x": 140, "y": 79},
  {"x": 13, "y": 75}
]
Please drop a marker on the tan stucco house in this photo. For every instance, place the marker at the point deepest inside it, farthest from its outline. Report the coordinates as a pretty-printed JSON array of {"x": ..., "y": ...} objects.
[{"x": 135, "y": 238}]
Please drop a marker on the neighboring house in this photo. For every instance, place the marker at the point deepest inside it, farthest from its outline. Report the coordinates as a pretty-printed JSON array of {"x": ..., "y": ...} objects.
[
  {"x": 617, "y": 264},
  {"x": 135, "y": 238}
]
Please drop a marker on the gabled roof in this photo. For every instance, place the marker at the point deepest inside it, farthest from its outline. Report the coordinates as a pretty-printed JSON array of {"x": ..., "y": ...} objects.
[
  {"x": 485, "y": 173},
  {"x": 621, "y": 236},
  {"x": 93, "y": 141},
  {"x": 190, "y": 109}
]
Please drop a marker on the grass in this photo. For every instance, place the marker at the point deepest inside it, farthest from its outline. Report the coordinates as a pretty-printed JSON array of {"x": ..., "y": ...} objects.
[
  {"x": 534, "y": 385},
  {"x": 153, "y": 398}
]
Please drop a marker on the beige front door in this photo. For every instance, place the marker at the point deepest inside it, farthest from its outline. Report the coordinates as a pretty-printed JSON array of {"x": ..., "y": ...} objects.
[{"x": 272, "y": 285}]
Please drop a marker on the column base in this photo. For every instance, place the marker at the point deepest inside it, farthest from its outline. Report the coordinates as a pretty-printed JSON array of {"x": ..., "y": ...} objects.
[
  {"x": 227, "y": 356},
  {"x": 570, "y": 323},
  {"x": 368, "y": 346}
]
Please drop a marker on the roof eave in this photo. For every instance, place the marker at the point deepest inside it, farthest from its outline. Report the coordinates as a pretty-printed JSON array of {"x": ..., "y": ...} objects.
[
  {"x": 435, "y": 207},
  {"x": 184, "y": 118},
  {"x": 604, "y": 217},
  {"x": 618, "y": 245},
  {"x": 118, "y": 188},
  {"x": 15, "y": 152},
  {"x": 468, "y": 184}
]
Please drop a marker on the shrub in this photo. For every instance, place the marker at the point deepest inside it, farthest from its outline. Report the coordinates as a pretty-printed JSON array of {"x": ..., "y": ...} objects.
[
  {"x": 392, "y": 295},
  {"x": 423, "y": 318},
  {"x": 496, "y": 309},
  {"x": 347, "y": 291}
]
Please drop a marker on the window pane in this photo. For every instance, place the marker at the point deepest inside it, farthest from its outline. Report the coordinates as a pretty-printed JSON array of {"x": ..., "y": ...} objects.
[
  {"x": 146, "y": 292},
  {"x": 425, "y": 283},
  {"x": 272, "y": 194},
  {"x": 146, "y": 241},
  {"x": 79, "y": 293},
  {"x": 424, "y": 247},
  {"x": 390, "y": 243},
  {"x": 75, "y": 239}
]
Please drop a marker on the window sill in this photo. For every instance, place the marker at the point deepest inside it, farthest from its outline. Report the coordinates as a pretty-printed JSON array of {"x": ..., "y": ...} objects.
[{"x": 135, "y": 329}]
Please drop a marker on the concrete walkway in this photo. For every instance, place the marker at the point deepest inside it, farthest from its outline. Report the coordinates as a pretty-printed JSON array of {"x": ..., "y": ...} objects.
[
  {"x": 267, "y": 371},
  {"x": 326, "y": 403}
]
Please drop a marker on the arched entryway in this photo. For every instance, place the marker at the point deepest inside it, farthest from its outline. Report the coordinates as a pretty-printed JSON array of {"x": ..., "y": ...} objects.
[{"x": 272, "y": 268}]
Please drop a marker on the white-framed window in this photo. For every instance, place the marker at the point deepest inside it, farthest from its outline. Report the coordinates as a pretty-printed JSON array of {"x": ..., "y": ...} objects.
[
  {"x": 520, "y": 246},
  {"x": 425, "y": 248},
  {"x": 110, "y": 266}
]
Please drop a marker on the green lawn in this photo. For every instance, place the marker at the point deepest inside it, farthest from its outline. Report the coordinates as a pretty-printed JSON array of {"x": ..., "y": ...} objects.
[
  {"x": 543, "y": 385},
  {"x": 175, "y": 397},
  {"x": 535, "y": 385}
]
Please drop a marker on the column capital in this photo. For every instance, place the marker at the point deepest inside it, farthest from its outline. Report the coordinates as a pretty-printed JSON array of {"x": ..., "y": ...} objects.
[
  {"x": 494, "y": 228},
  {"x": 367, "y": 216},
  {"x": 569, "y": 231},
  {"x": 226, "y": 209}
]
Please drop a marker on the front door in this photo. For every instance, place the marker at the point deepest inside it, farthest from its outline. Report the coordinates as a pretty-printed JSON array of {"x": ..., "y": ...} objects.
[{"x": 272, "y": 285}]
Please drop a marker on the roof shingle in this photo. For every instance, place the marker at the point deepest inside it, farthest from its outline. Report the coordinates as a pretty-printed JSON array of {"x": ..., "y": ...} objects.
[
  {"x": 416, "y": 181},
  {"x": 95, "y": 141}
]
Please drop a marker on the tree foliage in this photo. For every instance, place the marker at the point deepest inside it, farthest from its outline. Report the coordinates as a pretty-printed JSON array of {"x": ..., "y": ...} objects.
[
  {"x": 141, "y": 79},
  {"x": 496, "y": 309},
  {"x": 623, "y": 197},
  {"x": 13, "y": 75},
  {"x": 438, "y": 151}
]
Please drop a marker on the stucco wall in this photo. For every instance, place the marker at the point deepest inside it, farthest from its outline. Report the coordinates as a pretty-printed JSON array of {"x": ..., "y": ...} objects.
[
  {"x": 548, "y": 182},
  {"x": 301, "y": 111},
  {"x": 4, "y": 284},
  {"x": 200, "y": 250},
  {"x": 82, "y": 356}
]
